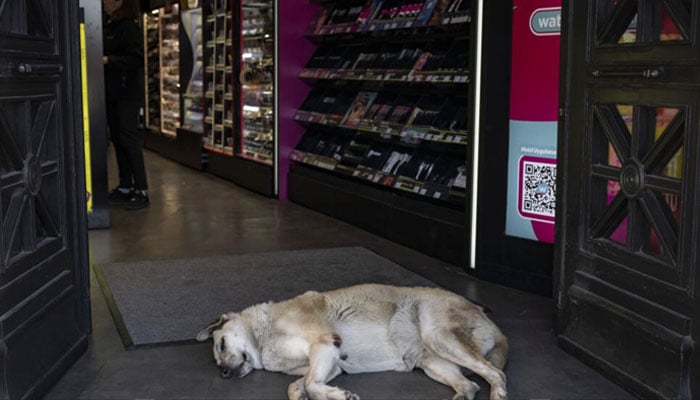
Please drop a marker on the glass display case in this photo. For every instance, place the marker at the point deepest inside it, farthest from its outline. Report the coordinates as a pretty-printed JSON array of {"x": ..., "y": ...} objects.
[
  {"x": 218, "y": 96},
  {"x": 255, "y": 81},
  {"x": 193, "y": 96},
  {"x": 169, "y": 51},
  {"x": 151, "y": 37}
]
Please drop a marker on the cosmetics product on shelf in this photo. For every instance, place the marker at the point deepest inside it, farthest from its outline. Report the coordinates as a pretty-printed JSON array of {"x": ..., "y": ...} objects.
[
  {"x": 336, "y": 107},
  {"x": 378, "y": 112},
  {"x": 457, "y": 58},
  {"x": 368, "y": 13},
  {"x": 376, "y": 155},
  {"x": 425, "y": 15},
  {"x": 457, "y": 12},
  {"x": 341, "y": 18},
  {"x": 358, "y": 108},
  {"x": 452, "y": 117}
]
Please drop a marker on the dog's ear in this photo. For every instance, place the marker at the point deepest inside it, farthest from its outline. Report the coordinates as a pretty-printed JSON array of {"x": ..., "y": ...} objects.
[{"x": 205, "y": 333}]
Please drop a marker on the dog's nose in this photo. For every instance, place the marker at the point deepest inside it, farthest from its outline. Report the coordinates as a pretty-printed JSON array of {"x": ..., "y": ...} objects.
[{"x": 225, "y": 372}]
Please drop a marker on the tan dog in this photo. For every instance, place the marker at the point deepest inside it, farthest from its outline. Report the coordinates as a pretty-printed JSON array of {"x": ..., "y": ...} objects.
[{"x": 364, "y": 328}]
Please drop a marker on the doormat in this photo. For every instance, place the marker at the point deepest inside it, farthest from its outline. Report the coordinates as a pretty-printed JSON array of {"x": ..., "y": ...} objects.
[{"x": 169, "y": 301}]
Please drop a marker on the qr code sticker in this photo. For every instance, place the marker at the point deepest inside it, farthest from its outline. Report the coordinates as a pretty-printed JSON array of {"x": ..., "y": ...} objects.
[{"x": 537, "y": 189}]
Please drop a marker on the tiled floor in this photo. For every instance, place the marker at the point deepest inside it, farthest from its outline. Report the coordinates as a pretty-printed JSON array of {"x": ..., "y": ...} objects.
[{"x": 194, "y": 214}]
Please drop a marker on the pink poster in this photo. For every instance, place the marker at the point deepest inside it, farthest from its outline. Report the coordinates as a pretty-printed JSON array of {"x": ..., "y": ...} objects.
[{"x": 533, "y": 119}]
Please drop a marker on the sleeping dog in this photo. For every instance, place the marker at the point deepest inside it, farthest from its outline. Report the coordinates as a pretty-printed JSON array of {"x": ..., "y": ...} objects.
[{"x": 363, "y": 328}]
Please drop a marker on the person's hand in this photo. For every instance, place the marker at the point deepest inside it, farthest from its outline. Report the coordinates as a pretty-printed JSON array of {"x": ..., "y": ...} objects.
[{"x": 105, "y": 59}]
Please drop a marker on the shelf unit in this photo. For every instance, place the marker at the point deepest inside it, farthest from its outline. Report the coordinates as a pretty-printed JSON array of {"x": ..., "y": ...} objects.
[
  {"x": 174, "y": 81},
  {"x": 193, "y": 96},
  {"x": 169, "y": 69},
  {"x": 151, "y": 28},
  {"x": 218, "y": 97},
  {"x": 239, "y": 134},
  {"x": 389, "y": 120},
  {"x": 256, "y": 139}
]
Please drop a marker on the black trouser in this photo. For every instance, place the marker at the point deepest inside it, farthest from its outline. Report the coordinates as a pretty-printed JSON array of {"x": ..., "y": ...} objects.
[{"x": 123, "y": 121}]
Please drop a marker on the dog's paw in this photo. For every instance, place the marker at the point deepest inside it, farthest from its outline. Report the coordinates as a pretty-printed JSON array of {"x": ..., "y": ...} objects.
[
  {"x": 296, "y": 391},
  {"x": 468, "y": 392},
  {"x": 498, "y": 394},
  {"x": 351, "y": 396}
]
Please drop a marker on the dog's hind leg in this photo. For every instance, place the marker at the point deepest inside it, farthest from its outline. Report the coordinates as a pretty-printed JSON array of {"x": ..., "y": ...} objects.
[
  {"x": 446, "y": 344},
  {"x": 323, "y": 366},
  {"x": 449, "y": 374},
  {"x": 499, "y": 354}
]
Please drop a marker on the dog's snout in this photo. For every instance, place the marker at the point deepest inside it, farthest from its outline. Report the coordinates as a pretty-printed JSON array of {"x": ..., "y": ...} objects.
[{"x": 225, "y": 372}]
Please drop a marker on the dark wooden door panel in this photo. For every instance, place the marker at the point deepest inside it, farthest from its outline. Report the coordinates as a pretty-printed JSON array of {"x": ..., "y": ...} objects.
[
  {"x": 628, "y": 234},
  {"x": 44, "y": 306},
  {"x": 29, "y": 26}
]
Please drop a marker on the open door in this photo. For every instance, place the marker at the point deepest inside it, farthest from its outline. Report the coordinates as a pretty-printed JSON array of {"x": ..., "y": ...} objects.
[
  {"x": 628, "y": 237},
  {"x": 44, "y": 303}
]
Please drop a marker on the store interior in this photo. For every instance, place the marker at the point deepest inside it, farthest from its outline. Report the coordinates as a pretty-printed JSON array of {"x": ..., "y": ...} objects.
[
  {"x": 390, "y": 117},
  {"x": 537, "y": 157},
  {"x": 275, "y": 125}
]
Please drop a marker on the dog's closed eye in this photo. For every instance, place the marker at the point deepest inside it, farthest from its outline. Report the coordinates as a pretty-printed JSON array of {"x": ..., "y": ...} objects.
[{"x": 222, "y": 345}]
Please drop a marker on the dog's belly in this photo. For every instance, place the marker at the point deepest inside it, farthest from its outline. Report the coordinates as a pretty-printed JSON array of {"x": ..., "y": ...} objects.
[{"x": 369, "y": 348}]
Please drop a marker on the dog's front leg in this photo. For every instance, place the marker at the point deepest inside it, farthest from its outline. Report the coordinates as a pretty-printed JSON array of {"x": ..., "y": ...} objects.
[
  {"x": 296, "y": 390},
  {"x": 323, "y": 366}
]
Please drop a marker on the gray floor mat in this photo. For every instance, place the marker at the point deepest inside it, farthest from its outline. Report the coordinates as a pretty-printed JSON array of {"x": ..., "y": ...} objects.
[{"x": 166, "y": 301}]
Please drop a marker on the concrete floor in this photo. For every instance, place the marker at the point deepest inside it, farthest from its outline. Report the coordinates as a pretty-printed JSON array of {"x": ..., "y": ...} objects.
[{"x": 194, "y": 214}]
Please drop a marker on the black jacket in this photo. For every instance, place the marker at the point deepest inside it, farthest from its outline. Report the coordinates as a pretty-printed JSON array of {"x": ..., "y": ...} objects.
[{"x": 123, "y": 44}]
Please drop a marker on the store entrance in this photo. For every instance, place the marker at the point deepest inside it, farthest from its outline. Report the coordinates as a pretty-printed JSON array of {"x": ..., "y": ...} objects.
[{"x": 628, "y": 236}]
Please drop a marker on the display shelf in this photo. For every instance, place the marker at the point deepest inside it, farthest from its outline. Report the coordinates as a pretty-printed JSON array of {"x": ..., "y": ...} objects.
[
  {"x": 255, "y": 81},
  {"x": 388, "y": 113},
  {"x": 218, "y": 101},
  {"x": 151, "y": 37},
  {"x": 370, "y": 20},
  {"x": 384, "y": 129},
  {"x": 437, "y": 65},
  {"x": 193, "y": 96},
  {"x": 169, "y": 69}
]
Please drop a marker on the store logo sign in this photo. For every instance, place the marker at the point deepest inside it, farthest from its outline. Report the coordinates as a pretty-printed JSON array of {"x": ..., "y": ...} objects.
[{"x": 546, "y": 21}]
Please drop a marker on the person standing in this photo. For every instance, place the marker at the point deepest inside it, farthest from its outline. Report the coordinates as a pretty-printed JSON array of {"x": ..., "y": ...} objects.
[{"x": 123, "y": 69}]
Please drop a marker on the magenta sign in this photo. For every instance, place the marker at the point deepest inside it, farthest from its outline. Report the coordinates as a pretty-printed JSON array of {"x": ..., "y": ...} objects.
[{"x": 534, "y": 105}]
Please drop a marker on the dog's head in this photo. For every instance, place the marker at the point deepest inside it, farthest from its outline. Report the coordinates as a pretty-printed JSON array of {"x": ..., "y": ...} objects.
[{"x": 234, "y": 351}]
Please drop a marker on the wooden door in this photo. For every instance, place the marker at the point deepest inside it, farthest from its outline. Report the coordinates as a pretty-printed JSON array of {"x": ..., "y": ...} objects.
[
  {"x": 44, "y": 304},
  {"x": 628, "y": 232}
]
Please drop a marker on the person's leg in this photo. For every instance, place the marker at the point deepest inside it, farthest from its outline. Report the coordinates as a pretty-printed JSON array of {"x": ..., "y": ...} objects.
[
  {"x": 123, "y": 165},
  {"x": 131, "y": 139}
]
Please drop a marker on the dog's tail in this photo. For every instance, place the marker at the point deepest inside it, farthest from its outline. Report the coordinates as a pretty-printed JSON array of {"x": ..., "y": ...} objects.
[{"x": 498, "y": 356}]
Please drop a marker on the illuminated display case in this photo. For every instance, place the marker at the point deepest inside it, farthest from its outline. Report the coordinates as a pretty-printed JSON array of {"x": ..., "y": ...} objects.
[
  {"x": 193, "y": 95},
  {"x": 174, "y": 65},
  {"x": 151, "y": 40},
  {"x": 239, "y": 70},
  {"x": 255, "y": 81},
  {"x": 218, "y": 103},
  {"x": 169, "y": 23}
]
